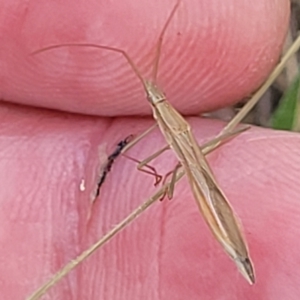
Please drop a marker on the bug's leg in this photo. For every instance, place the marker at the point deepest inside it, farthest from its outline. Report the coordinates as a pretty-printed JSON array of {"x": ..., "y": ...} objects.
[
  {"x": 224, "y": 136},
  {"x": 158, "y": 178},
  {"x": 169, "y": 190},
  {"x": 145, "y": 164},
  {"x": 138, "y": 138},
  {"x": 151, "y": 170}
]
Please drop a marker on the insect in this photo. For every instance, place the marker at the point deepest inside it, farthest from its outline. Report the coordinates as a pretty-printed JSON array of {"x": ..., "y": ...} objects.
[
  {"x": 110, "y": 161},
  {"x": 210, "y": 199}
]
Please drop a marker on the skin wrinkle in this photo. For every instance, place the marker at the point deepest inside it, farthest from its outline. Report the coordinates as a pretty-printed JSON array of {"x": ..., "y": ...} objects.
[
  {"x": 261, "y": 144},
  {"x": 285, "y": 135}
]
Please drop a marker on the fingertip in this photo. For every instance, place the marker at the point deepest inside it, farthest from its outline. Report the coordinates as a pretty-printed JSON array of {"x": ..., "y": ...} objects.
[{"x": 213, "y": 54}]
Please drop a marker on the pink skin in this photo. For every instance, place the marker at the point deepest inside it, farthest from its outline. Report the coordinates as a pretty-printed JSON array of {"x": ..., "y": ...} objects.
[{"x": 214, "y": 54}]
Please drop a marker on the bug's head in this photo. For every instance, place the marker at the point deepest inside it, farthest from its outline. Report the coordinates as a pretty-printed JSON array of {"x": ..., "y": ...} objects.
[{"x": 154, "y": 94}]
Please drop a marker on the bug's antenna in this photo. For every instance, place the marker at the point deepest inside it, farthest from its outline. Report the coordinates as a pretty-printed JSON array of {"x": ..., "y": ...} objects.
[
  {"x": 124, "y": 53},
  {"x": 160, "y": 40},
  {"x": 113, "y": 49}
]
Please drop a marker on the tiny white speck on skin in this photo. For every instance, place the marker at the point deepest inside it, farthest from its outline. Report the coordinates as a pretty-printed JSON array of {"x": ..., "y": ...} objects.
[{"x": 82, "y": 185}]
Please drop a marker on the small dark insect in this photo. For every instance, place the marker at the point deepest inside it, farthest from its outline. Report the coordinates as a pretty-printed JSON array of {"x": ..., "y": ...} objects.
[{"x": 110, "y": 160}]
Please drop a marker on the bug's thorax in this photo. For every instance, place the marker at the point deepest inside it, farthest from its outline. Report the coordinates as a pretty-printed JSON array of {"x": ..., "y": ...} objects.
[{"x": 154, "y": 94}]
